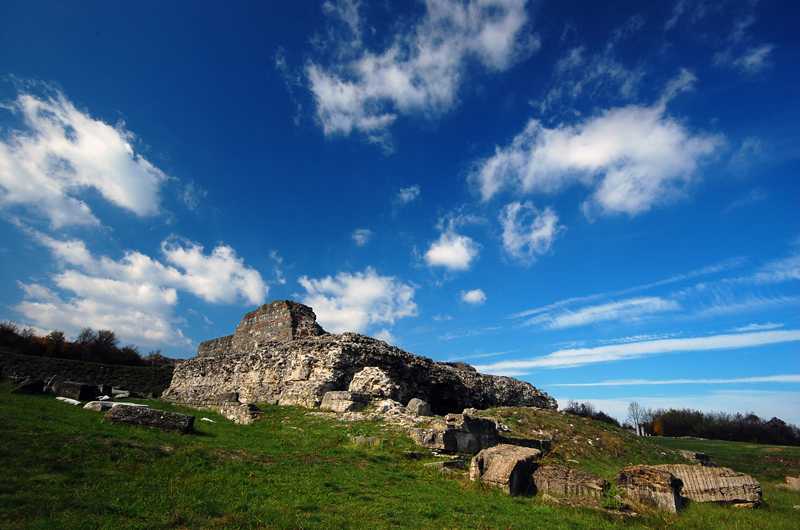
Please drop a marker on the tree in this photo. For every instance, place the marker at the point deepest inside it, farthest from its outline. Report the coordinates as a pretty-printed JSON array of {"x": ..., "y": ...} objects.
[{"x": 636, "y": 417}]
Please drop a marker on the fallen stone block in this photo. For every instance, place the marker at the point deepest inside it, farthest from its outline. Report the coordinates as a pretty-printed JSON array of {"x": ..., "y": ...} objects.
[
  {"x": 792, "y": 484},
  {"x": 564, "y": 481},
  {"x": 343, "y": 401},
  {"x": 698, "y": 458},
  {"x": 151, "y": 418},
  {"x": 459, "y": 433},
  {"x": 69, "y": 401},
  {"x": 108, "y": 405},
  {"x": 651, "y": 486},
  {"x": 59, "y": 386},
  {"x": 419, "y": 407},
  {"x": 30, "y": 387},
  {"x": 720, "y": 485},
  {"x": 509, "y": 467}
]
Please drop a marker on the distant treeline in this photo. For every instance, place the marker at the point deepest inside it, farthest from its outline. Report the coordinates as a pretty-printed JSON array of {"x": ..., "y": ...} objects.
[
  {"x": 675, "y": 423},
  {"x": 91, "y": 346},
  {"x": 721, "y": 426}
]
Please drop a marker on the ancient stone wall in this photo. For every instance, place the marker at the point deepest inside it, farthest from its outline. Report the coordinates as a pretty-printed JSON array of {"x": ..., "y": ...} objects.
[
  {"x": 279, "y": 354},
  {"x": 215, "y": 347}
]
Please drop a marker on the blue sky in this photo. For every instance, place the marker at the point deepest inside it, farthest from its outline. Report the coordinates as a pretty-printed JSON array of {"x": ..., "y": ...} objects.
[{"x": 600, "y": 198}]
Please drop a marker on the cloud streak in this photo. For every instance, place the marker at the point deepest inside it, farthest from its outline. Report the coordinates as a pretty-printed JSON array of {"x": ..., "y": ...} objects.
[
  {"x": 786, "y": 378},
  {"x": 618, "y": 352}
]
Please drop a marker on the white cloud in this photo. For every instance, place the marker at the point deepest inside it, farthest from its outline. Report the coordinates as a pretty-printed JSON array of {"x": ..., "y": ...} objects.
[
  {"x": 407, "y": 195},
  {"x": 136, "y": 295},
  {"x": 633, "y": 157},
  {"x": 758, "y": 327},
  {"x": 779, "y": 270},
  {"x": 750, "y": 61},
  {"x": 525, "y": 238},
  {"x": 581, "y": 356},
  {"x": 353, "y": 302},
  {"x": 65, "y": 152},
  {"x": 474, "y": 297},
  {"x": 386, "y": 336},
  {"x": 361, "y": 236},
  {"x": 452, "y": 251},
  {"x": 786, "y": 378},
  {"x": 422, "y": 69},
  {"x": 220, "y": 277},
  {"x": 624, "y": 310}
]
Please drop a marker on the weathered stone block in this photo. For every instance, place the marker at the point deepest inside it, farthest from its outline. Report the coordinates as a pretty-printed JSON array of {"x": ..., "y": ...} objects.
[
  {"x": 791, "y": 484},
  {"x": 30, "y": 387},
  {"x": 419, "y": 407},
  {"x": 458, "y": 433},
  {"x": 564, "y": 481},
  {"x": 151, "y": 418},
  {"x": 509, "y": 467},
  {"x": 720, "y": 485},
  {"x": 541, "y": 444},
  {"x": 344, "y": 401},
  {"x": 651, "y": 486},
  {"x": 61, "y": 387}
]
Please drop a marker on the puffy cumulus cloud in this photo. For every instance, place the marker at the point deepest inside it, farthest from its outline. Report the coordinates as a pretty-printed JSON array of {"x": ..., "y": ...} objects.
[
  {"x": 474, "y": 297},
  {"x": 220, "y": 277},
  {"x": 633, "y": 157},
  {"x": 136, "y": 295},
  {"x": 623, "y": 310},
  {"x": 452, "y": 251},
  {"x": 64, "y": 152},
  {"x": 421, "y": 70},
  {"x": 528, "y": 232},
  {"x": 353, "y": 302},
  {"x": 361, "y": 236}
]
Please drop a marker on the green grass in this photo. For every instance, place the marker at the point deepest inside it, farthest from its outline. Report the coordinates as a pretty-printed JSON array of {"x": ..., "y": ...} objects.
[{"x": 65, "y": 467}]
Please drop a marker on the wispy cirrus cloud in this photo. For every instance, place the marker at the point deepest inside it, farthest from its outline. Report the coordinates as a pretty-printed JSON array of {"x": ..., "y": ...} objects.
[
  {"x": 623, "y": 310},
  {"x": 786, "y": 378},
  {"x": 617, "y": 352}
]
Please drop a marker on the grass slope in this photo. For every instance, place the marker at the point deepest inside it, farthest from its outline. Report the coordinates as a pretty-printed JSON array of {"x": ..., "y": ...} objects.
[{"x": 65, "y": 467}]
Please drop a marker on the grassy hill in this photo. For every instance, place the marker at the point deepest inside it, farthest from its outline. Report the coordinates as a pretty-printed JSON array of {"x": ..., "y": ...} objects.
[{"x": 65, "y": 467}]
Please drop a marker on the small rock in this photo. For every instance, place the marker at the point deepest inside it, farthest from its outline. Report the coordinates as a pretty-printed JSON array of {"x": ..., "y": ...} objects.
[
  {"x": 147, "y": 417},
  {"x": 208, "y": 420},
  {"x": 68, "y": 401},
  {"x": 419, "y": 407}
]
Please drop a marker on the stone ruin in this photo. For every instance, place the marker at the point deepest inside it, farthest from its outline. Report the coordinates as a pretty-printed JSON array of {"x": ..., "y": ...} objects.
[{"x": 280, "y": 355}]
